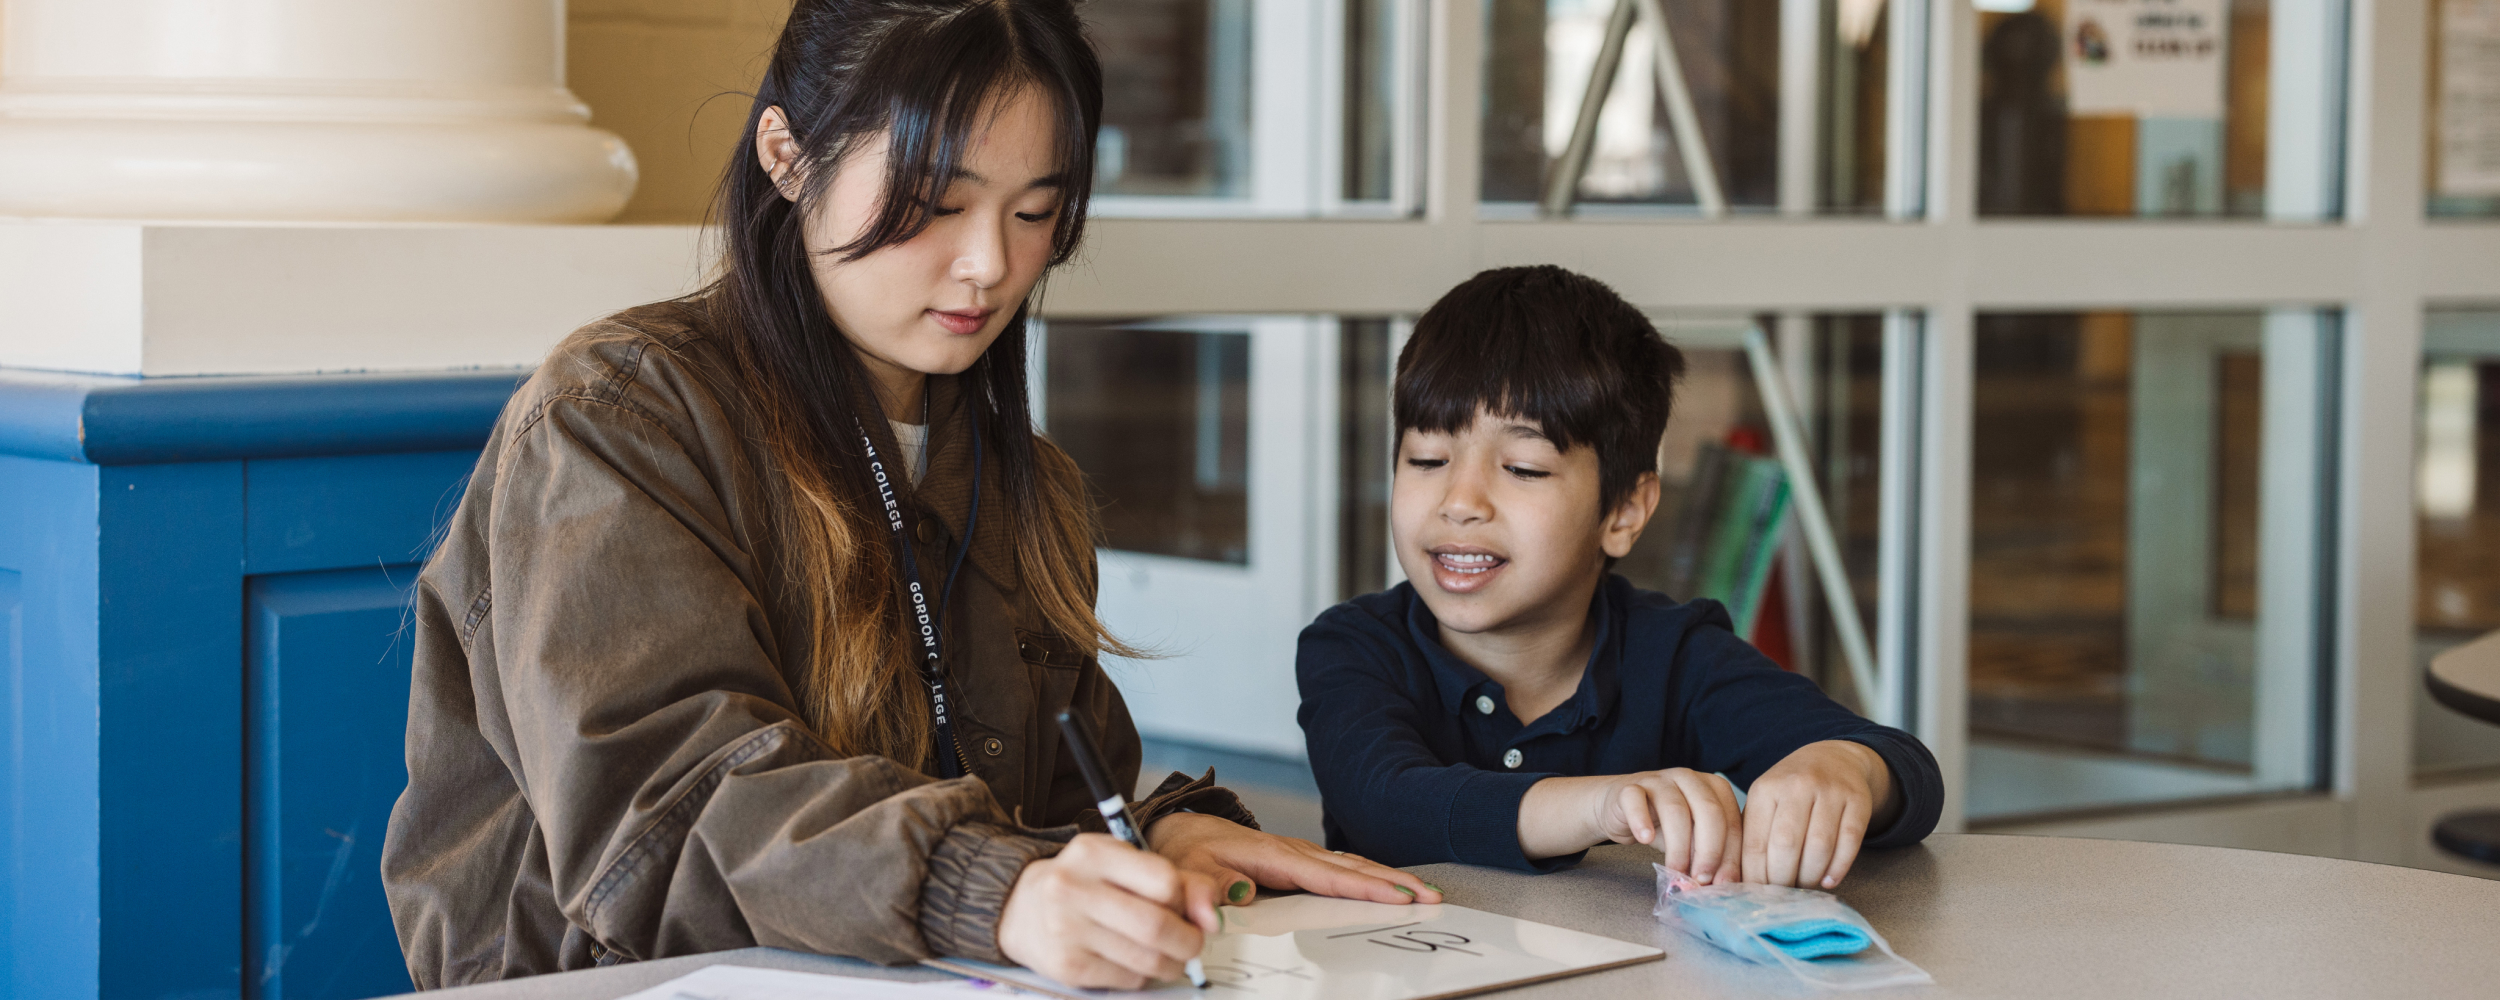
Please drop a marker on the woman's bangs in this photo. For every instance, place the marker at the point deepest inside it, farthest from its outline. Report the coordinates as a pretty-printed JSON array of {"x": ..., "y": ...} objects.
[{"x": 935, "y": 102}]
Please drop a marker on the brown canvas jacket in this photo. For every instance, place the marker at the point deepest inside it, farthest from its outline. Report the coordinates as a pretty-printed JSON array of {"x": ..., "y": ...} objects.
[{"x": 605, "y": 760}]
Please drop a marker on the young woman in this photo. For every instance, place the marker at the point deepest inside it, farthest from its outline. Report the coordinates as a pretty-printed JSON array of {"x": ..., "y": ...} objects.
[{"x": 673, "y": 690}]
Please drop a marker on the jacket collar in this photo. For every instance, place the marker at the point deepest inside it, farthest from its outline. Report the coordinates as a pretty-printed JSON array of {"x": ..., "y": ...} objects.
[{"x": 1600, "y": 681}]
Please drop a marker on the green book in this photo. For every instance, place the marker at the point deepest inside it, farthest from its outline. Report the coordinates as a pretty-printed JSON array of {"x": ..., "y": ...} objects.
[{"x": 1737, "y": 560}]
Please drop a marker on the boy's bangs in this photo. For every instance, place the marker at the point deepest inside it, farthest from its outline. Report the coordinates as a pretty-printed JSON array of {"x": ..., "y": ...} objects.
[{"x": 1442, "y": 392}]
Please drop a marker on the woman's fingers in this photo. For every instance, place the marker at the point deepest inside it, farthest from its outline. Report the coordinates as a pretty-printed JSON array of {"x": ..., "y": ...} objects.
[
  {"x": 1133, "y": 920},
  {"x": 1347, "y": 876}
]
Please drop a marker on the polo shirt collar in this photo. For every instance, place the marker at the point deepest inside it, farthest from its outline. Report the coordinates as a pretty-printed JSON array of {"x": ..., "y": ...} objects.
[{"x": 1600, "y": 682}]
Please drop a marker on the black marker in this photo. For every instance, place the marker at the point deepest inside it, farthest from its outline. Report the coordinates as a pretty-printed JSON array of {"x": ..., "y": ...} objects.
[{"x": 1112, "y": 804}]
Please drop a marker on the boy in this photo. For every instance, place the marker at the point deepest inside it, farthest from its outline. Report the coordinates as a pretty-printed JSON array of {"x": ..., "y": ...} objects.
[{"x": 1514, "y": 704}]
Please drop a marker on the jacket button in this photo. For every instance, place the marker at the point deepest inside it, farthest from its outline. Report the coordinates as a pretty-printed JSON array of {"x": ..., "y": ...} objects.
[
  {"x": 927, "y": 530},
  {"x": 993, "y": 746},
  {"x": 1484, "y": 705},
  {"x": 1511, "y": 758}
]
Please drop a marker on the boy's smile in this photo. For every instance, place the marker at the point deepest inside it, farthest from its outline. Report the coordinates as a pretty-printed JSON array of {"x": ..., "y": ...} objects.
[
  {"x": 1504, "y": 534},
  {"x": 1461, "y": 569}
]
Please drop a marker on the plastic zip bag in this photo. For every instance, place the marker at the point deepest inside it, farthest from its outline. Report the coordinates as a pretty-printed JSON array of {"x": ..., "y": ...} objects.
[{"x": 1816, "y": 937}]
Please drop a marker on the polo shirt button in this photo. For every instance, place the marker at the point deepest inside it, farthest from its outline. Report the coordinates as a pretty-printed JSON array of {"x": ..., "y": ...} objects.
[
  {"x": 993, "y": 746},
  {"x": 1511, "y": 758},
  {"x": 1484, "y": 705}
]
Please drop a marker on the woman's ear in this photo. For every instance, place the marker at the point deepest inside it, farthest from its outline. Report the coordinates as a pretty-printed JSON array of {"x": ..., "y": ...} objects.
[
  {"x": 777, "y": 152},
  {"x": 1631, "y": 514}
]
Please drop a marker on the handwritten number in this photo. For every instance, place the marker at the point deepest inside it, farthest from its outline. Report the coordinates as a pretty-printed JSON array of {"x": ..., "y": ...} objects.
[{"x": 1414, "y": 941}]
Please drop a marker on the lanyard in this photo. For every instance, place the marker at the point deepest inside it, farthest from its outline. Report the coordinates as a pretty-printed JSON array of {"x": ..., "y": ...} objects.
[{"x": 931, "y": 627}]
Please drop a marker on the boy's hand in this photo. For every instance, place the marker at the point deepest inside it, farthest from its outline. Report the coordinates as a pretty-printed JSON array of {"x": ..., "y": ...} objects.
[
  {"x": 1805, "y": 817},
  {"x": 1691, "y": 817}
]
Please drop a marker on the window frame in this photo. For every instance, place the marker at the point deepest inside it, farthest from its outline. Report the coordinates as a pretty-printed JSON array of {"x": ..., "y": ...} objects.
[{"x": 1932, "y": 264}]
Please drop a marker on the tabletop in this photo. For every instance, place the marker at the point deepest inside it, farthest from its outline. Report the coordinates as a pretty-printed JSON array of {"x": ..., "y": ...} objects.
[
  {"x": 1988, "y": 916},
  {"x": 2467, "y": 678}
]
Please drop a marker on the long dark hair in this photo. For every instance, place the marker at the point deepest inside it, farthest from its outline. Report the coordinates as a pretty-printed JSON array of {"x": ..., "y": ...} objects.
[{"x": 923, "y": 74}]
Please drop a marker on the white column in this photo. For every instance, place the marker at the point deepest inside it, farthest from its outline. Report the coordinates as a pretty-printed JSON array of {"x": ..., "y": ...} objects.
[{"x": 298, "y": 110}]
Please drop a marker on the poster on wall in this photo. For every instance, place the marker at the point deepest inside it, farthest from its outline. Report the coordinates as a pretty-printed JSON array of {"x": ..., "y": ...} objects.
[
  {"x": 2146, "y": 58},
  {"x": 2469, "y": 98}
]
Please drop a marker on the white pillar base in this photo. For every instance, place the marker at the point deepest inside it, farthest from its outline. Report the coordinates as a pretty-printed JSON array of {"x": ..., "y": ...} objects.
[
  {"x": 507, "y": 171},
  {"x": 434, "y": 111},
  {"x": 120, "y": 298}
]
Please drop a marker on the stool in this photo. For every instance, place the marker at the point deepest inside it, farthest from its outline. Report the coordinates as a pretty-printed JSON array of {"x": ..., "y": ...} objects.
[{"x": 2467, "y": 679}]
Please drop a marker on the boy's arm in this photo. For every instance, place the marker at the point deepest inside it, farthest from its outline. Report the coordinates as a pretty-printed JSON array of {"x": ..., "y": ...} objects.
[
  {"x": 1393, "y": 800},
  {"x": 1740, "y": 714}
]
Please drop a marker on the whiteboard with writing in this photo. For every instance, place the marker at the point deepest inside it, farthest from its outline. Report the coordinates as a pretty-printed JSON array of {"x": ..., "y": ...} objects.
[{"x": 1297, "y": 947}]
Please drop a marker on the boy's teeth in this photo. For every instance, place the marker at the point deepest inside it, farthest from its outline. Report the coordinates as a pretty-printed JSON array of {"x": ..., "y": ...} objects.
[{"x": 1469, "y": 562}]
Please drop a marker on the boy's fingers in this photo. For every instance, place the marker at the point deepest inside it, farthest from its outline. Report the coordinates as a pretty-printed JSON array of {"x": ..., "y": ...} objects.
[
  {"x": 1759, "y": 811},
  {"x": 1731, "y": 867},
  {"x": 1822, "y": 835},
  {"x": 1709, "y": 828},
  {"x": 1632, "y": 805},
  {"x": 1853, "y": 820},
  {"x": 1674, "y": 819},
  {"x": 1787, "y": 840}
]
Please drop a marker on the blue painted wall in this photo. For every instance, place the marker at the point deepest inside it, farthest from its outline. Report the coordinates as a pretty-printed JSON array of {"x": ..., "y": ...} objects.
[{"x": 201, "y": 589}]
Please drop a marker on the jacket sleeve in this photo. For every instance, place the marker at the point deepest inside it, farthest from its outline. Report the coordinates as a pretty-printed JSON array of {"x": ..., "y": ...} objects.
[
  {"x": 1382, "y": 786},
  {"x": 1738, "y": 713},
  {"x": 683, "y": 805}
]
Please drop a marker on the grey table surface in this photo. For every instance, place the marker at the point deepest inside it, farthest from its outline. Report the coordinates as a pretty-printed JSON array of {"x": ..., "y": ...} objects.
[
  {"x": 1988, "y": 916},
  {"x": 2471, "y": 675}
]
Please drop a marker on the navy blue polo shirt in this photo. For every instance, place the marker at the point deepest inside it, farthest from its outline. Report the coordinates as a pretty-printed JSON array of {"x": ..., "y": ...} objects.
[{"x": 1420, "y": 760}]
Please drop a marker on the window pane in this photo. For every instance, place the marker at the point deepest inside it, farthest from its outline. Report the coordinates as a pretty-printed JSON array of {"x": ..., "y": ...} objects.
[
  {"x": 2119, "y": 594},
  {"x": 2465, "y": 107},
  {"x": 2456, "y": 498},
  {"x": 1367, "y": 358},
  {"x": 2124, "y": 107},
  {"x": 1539, "y": 59},
  {"x": 1715, "y": 470},
  {"x": 1372, "y": 89},
  {"x": 1160, "y": 422},
  {"x": 1176, "y": 97}
]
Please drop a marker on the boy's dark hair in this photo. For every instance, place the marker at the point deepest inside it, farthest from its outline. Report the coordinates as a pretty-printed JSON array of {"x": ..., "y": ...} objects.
[{"x": 1551, "y": 347}]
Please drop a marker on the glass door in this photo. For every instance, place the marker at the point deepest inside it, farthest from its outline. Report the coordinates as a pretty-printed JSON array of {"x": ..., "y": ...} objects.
[{"x": 1207, "y": 442}]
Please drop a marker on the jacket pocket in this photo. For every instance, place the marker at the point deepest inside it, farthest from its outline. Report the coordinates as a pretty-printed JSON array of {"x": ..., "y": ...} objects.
[{"x": 1046, "y": 650}]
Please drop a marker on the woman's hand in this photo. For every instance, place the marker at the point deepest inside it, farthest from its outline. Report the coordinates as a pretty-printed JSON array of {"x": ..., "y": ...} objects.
[
  {"x": 1106, "y": 915},
  {"x": 1689, "y": 816},
  {"x": 1806, "y": 816},
  {"x": 1241, "y": 859}
]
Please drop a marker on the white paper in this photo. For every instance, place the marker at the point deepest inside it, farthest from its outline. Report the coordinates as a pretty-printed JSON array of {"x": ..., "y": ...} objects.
[
  {"x": 2146, "y": 58},
  {"x": 2469, "y": 98},
  {"x": 1309, "y": 947},
  {"x": 738, "y": 982}
]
